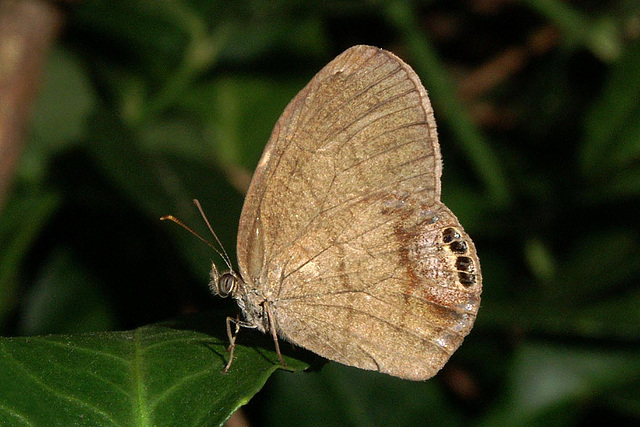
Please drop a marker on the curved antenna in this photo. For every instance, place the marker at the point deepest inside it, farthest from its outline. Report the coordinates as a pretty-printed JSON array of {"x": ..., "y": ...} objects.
[{"x": 223, "y": 254}]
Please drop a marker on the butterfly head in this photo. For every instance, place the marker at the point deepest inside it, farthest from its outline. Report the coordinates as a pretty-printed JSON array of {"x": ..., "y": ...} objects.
[{"x": 224, "y": 284}]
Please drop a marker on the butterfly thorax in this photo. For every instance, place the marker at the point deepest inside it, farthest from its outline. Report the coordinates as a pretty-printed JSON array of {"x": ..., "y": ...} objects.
[{"x": 253, "y": 307}]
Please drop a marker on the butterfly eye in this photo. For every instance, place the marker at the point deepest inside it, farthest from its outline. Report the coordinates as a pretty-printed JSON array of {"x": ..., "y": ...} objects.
[{"x": 227, "y": 284}]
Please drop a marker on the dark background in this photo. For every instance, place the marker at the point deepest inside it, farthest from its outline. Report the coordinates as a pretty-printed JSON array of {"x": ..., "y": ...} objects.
[{"x": 143, "y": 106}]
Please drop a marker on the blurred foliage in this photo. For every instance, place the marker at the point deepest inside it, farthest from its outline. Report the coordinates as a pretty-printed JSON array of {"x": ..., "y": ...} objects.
[{"x": 146, "y": 105}]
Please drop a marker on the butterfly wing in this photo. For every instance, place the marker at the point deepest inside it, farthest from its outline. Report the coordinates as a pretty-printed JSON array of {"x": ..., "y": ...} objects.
[{"x": 343, "y": 232}]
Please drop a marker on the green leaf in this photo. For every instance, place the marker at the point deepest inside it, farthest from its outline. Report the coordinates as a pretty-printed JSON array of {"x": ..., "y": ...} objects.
[{"x": 163, "y": 374}]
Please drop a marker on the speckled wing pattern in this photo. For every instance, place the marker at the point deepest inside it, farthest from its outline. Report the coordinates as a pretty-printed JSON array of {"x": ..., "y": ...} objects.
[{"x": 343, "y": 233}]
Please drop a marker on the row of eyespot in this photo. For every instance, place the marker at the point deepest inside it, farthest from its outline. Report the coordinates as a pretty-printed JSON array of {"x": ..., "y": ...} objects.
[{"x": 464, "y": 264}]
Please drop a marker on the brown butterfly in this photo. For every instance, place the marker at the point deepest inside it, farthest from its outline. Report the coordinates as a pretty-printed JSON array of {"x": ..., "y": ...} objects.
[{"x": 344, "y": 247}]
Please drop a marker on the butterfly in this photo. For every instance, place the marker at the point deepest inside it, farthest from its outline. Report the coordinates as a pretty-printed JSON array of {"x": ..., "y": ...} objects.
[{"x": 344, "y": 247}]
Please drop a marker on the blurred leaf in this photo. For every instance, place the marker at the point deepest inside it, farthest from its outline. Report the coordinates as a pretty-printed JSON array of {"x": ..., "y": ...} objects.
[
  {"x": 261, "y": 33},
  {"x": 165, "y": 374},
  {"x": 340, "y": 395},
  {"x": 547, "y": 379},
  {"x": 60, "y": 115},
  {"x": 143, "y": 33},
  {"x": 239, "y": 113},
  {"x": 540, "y": 260},
  {"x": 64, "y": 102},
  {"x": 627, "y": 401},
  {"x": 138, "y": 172},
  {"x": 603, "y": 36},
  {"x": 60, "y": 300},
  {"x": 21, "y": 222},
  {"x": 611, "y": 127},
  {"x": 169, "y": 41},
  {"x": 598, "y": 262},
  {"x": 627, "y": 151},
  {"x": 615, "y": 317}
]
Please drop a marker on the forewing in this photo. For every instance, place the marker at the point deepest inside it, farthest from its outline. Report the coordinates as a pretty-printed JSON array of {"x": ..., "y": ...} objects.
[{"x": 362, "y": 125}]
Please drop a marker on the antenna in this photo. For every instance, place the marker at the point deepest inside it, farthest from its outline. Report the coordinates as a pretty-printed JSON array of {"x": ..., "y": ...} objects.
[{"x": 223, "y": 254}]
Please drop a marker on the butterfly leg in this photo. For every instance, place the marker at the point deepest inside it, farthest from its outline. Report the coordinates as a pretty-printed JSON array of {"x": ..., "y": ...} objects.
[
  {"x": 232, "y": 337},
  {"x": 272, "y": 327}
]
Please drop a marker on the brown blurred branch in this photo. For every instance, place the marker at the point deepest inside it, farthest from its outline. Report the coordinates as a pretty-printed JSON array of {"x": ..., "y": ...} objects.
[
  {"x": 27, "y": 30},
  {"x": 508, "y": 63},
  {"x": 499, "y": 70}
]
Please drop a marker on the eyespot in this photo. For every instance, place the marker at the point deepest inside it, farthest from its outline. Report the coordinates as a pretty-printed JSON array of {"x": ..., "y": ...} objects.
[
  {"x": 449, "y": 235},
  {"x": 464, "y": 263},
  {"x": 466, "y": 279},
  {"x": 459, "y": 247}
]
